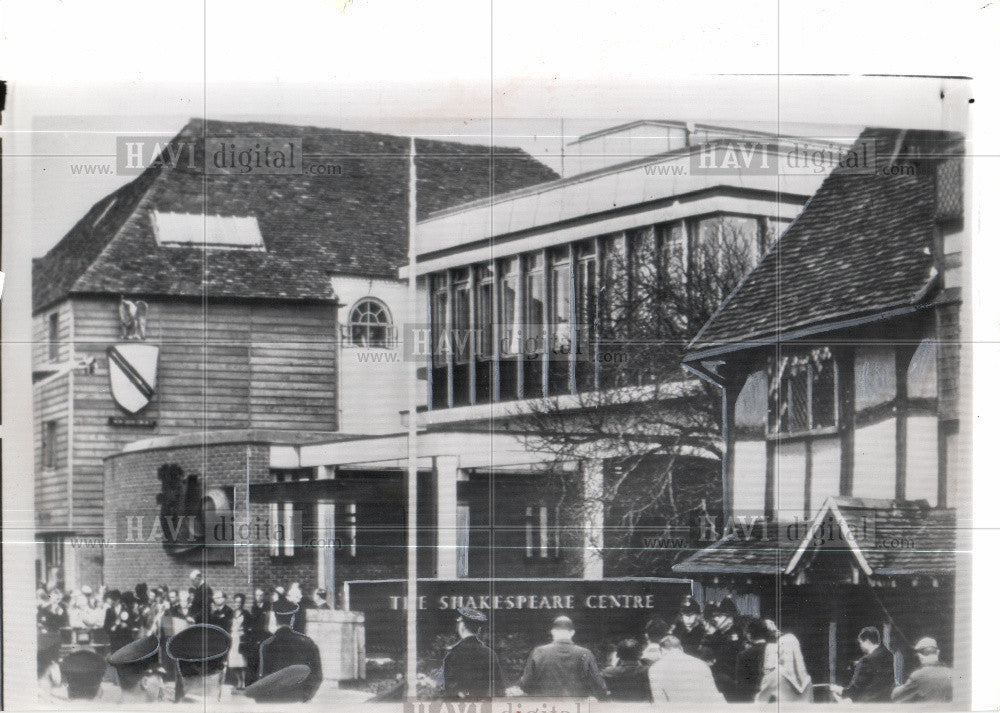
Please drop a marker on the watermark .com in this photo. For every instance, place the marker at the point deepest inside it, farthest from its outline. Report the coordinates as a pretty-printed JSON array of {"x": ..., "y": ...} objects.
[
  {"x": 226, "y": 155},
  {"x": 865, "y": 532}
]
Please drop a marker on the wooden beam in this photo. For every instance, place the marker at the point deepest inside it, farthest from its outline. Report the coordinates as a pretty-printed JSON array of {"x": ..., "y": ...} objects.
[
  {"x": 902, "y": 411},
  {"x": 337, "y": 490},
  {"x": 845, "y": 383}
]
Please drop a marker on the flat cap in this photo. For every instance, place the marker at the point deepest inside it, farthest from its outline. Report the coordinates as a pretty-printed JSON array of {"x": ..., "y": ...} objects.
[{"x": 472, "y": 616}]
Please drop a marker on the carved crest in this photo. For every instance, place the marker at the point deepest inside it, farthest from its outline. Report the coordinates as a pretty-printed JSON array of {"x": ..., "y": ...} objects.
[
  {"x": 132, "y": 315},
  {"x": 180, "y": 509}
]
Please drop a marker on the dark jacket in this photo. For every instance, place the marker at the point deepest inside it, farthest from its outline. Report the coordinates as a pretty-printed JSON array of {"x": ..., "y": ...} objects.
[
  {"x": 690, "y": 639},
  {"x": 749, "y": 671},
  {"x": 222, "y": 618},
  {"x": 628, "y": 681},
  {"x": 255, "y": 623},
  {"x": 562, "y": 669},
  {"x": 721, "y": 650},
  {"x": 873, "y": 678},
  {"x": 287, "y": 648},
  {"x": 201, "y": 603},
  {"x": 471, "y": 670}
]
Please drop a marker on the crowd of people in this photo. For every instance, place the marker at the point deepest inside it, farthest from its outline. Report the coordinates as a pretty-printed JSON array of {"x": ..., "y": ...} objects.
[
  {"x": 697, "y": 659},
  {"x": 114, "y": 621},
  {"x": 157, "y": 637}
]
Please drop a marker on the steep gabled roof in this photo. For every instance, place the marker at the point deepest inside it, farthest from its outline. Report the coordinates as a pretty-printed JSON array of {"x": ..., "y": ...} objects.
[
  {"x": 883, "y": 537},
  {"x": 353, "y": 222},
  {"x": 863, "y": 245}
]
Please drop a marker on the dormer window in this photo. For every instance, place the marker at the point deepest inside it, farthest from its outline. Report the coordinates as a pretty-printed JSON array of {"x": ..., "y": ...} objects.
[
  {"x": 219, "y": 232},
  {"x": 370, "y": 324}
]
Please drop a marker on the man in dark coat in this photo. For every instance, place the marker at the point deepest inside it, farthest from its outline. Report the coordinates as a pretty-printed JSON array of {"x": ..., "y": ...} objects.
[
  {"x": 750, "y": 661},
  {"x": 255, "y": 632},
  {"x": 722, "y": 646},
  {"x": 873, "y": 678},
  {"x": 628, "y": 680},
  {"x": 471, "y": 668},
  {"x": 287, "y": 647},
  {"x": 561, "y": 669},
  {"x": 221, "y": 614},
  {"x": 201, "y": 597}
]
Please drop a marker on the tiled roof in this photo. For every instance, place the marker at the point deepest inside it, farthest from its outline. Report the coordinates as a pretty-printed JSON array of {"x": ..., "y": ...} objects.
[
  {"x": 862, "y": 245},
  {"x": 761, "y": 552},
  {"x": 886, "y": 539},
  {"x": 313, "y": 226}
]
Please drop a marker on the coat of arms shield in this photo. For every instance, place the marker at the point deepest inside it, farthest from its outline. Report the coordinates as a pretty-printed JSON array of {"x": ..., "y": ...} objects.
[{"x": 132, "y": 372}]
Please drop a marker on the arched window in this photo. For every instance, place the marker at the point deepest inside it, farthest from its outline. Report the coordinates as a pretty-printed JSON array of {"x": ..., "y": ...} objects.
[{"x": 370, "y": 323}]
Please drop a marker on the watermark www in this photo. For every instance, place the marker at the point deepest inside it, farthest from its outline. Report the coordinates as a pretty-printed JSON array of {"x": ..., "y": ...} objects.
[{"x": 224, "y": 155}]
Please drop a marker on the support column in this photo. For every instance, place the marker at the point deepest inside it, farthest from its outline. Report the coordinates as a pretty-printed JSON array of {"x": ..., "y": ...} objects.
[
  {"x": 593, "y": 526},
  {"x": 446, "y": 487},
  {"x": 71, "y": 564},
  {"x": 326, "y": 533},
  {"x": 326, "y": 552}
]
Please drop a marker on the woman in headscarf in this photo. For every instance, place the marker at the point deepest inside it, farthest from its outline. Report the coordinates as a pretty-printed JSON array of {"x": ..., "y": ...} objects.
[{"x": 784, "y": 670}]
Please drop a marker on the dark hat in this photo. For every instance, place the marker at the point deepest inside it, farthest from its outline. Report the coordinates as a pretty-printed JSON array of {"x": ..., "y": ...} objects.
[
  {"x": 199, "y": 649},
  {"x": 285, "y": 607},
  {"x": 656, "y": 629},
  {"x": 284, "y": 610},
  {"x": 83, "y": 670},
  {"x": 757, "y": 629},
  {"x": 629, "y": 649},
  {"x": 133, "y": 660},
  {"x": 724, "y": 608},
  {"x": 690, "y": 605},
  {"x": 475, "y": 619},
  {"x": 282, "y": 686}
]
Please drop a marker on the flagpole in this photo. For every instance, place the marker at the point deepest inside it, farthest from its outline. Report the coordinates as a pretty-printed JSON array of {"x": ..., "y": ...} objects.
[{"x": 411, "y": 444}]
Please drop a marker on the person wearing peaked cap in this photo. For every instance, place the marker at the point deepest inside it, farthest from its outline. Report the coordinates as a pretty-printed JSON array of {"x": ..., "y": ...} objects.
[
  {"x": 722, "y": 646},
  {"x": 199, "y": 654},
  {"x": 688, "y": 626},
  {"x": 286, "y": 685},
  {"x": 82, "y": 672},
  {"x": 930, "y": 682},
  {"x": 287, "y": 647},
  {"x": 136, "y": 665},
  {"x": 471, "y": 669}
]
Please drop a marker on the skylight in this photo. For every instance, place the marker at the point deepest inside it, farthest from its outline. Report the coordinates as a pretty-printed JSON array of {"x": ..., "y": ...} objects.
[{"x": 210, "y": 231}]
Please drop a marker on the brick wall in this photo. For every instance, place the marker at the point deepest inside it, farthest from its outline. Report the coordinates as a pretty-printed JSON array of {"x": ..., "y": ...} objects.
[{"x": 132, "y": 486}]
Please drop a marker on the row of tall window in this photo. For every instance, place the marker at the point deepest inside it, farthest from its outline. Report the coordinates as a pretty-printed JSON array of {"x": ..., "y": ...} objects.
[{"x": 553, "y": 321}]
